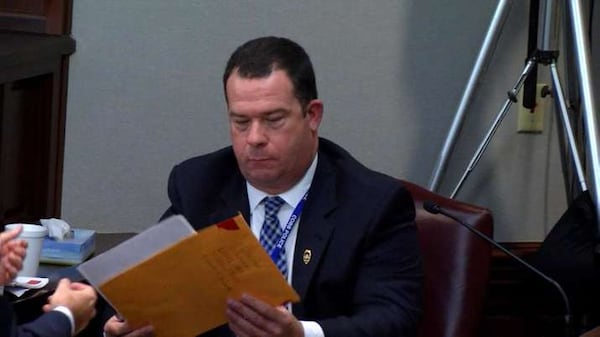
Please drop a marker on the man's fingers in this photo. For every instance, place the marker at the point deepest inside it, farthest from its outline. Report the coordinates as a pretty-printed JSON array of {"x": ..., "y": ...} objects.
[
  {"x": 15, "y": 259},
  {"x": 11, "y": 270},
  {"x": 117, "y": 327},
  {"x": 147, "y": 331},
  {"x": 255, "y": 318},
  {"x": 260, "y": 307},
  {"x": 238, "y": 323}
]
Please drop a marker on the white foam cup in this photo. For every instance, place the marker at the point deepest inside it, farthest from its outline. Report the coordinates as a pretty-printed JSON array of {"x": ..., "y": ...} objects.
[{"x": 34, "y": 235}]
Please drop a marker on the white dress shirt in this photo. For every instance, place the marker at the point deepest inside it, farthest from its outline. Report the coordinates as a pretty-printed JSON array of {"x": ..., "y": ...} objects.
[{"x": 257, "y": 216}]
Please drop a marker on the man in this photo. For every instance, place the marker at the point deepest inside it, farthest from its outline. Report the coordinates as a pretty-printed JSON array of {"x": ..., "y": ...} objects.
[
  {"x": 352, "y": 256},
  {"x": 68, "y": 310}
]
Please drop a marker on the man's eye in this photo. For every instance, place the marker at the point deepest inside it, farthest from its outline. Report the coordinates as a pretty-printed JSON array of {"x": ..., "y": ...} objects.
[
  {"x": 241, "y": 123},
  {"x": 274, "y": 120}
]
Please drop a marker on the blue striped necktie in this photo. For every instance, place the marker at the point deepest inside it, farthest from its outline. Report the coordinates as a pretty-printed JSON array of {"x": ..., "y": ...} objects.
[{"x": 271, "y": 231}]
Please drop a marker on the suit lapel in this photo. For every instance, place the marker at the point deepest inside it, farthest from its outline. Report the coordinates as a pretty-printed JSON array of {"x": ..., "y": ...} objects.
[
  {"x": 234, "y": 198},
  {"x": 314, "y": 229}
]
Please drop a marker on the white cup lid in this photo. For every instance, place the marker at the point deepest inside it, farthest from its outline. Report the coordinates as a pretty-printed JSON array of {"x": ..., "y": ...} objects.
[{"x": 29, "y": 230}]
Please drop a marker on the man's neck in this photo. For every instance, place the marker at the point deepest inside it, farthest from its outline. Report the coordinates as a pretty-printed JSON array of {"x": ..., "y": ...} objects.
[{"x": 297, "y": 191}]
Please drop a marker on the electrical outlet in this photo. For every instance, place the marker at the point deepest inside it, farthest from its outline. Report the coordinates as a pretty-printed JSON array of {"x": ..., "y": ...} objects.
[{"x": 532, "y": 120}]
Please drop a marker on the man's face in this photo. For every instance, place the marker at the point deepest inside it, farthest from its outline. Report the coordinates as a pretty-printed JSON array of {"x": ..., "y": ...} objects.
[{"x": 274, "y": 140}]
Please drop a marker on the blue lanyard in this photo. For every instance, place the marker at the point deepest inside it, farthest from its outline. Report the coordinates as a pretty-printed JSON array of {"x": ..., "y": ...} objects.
[{"x": 288, "y": 229}]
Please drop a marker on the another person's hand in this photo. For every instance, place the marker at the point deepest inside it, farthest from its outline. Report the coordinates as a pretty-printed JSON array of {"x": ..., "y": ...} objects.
[
  {"x": 12, "y": 253},
  {"x": 250, "y": 317},
  {"x": 117, "y": 327},
  {"x": 78, "y": 297}
]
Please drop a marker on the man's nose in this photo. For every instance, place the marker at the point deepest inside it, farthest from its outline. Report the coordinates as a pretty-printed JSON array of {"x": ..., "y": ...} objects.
[{"x": 256, "y": 134}]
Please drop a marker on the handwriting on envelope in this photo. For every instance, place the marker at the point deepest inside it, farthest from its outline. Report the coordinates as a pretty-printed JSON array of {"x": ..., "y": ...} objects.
[{"x": 182, "y": 290}]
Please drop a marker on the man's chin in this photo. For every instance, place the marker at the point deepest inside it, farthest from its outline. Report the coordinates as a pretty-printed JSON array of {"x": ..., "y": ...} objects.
[{"x": 262, "y": 180}]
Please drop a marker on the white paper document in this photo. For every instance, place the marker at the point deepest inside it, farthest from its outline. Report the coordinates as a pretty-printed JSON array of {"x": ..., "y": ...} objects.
[{"x": 129, "y": 253}]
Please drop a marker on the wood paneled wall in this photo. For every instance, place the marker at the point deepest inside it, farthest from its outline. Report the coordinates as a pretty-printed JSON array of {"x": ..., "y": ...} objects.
[
  {"x": 36, "y": 16},
  {"x": 34, "y": 50}
]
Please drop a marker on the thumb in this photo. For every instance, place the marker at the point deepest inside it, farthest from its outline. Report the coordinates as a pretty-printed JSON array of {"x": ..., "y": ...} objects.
[
  {"x": 77, "y": 286},
  {"x": 10, "y": 234},
  {"x": 63, "y": 283}
]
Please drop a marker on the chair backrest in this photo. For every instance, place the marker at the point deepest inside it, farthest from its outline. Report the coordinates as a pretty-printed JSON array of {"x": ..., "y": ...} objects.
[{"x": 456, "y": 265}]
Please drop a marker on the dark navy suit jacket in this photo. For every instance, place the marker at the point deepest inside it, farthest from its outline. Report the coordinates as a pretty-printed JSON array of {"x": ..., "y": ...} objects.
[
  {"x": 364, "y": 277},
  {"x": 51, "y": 324}
]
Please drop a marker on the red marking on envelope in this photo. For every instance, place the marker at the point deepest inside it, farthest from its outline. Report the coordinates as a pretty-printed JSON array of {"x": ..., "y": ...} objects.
[
  {"x": 228, "y": 224},
  {"x": 34, "y": 282}
]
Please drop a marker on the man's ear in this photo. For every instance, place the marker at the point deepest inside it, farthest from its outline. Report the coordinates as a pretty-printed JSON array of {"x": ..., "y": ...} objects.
[{"x": 314, "y": 112}]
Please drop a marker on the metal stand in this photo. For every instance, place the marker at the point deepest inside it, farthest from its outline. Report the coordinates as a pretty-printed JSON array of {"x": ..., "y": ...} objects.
[
  {"x": 582, "y": 54},
  {"x": 489, "y": 43},
  {"x": 546, "y": 54}
]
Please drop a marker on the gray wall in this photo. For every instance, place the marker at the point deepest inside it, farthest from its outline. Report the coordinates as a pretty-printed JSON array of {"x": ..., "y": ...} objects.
[{"x": 145, "y": 93}]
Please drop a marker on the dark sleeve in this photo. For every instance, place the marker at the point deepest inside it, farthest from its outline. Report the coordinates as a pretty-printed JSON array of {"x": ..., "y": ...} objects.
[
  {"x": 50, "y": 324},
  {"x": 7, "y": 318},
  {"x": 175, "y": 204},
  {"x": 388, "y": 292}
]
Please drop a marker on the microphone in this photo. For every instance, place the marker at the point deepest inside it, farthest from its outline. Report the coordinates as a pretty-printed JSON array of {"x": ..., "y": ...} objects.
[{"x": 434, "y": 208}]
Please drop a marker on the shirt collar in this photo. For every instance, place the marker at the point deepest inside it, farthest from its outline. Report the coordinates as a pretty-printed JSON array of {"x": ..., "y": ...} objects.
[{"x": 292, "y": 196}]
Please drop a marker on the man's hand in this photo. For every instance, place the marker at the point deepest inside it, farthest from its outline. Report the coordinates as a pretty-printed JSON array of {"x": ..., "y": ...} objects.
[
  {"x": 117, "y": 327},
  {"x": 12, "y": 253},
  {"x": 78, "y": 297},
  {"x": 250, "y": 317}
]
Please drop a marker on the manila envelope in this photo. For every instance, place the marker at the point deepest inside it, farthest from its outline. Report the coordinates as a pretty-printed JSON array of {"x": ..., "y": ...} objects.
[{"x": 182, "y": 290}]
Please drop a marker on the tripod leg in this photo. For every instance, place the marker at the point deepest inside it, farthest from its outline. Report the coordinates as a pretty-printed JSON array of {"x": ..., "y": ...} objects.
[
  {"x": 564, "y": 115},
  {"x": 582, "y": 53},
  {"x": 489, "y": 42},
  {"x": 512, "y": 94}
]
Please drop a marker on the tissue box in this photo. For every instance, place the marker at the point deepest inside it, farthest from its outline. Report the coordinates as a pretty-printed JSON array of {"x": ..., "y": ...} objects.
[{"x": 69, "y": 251}]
